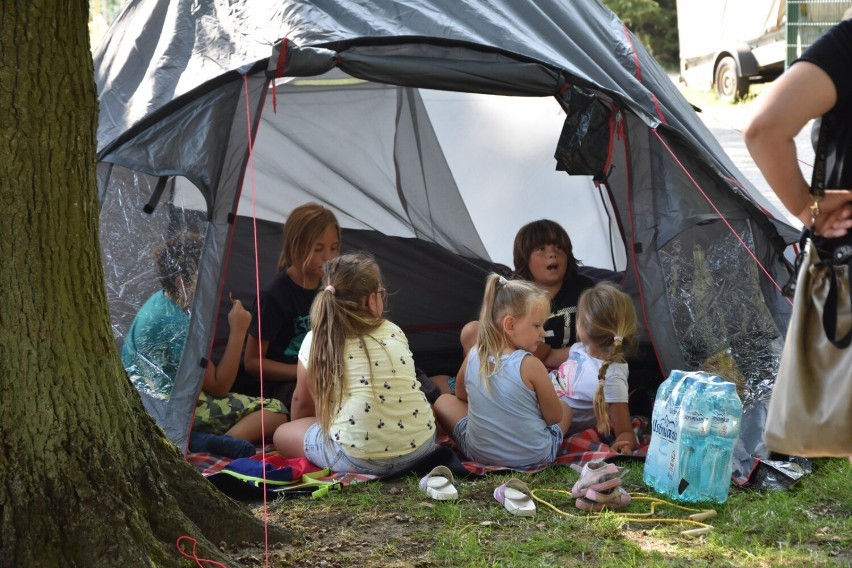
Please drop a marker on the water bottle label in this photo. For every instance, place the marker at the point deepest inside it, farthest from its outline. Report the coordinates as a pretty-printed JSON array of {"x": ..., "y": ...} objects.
[
  {"x": 696, "y": 422},
  {"x": 665, "y": 427},
  {"x": 673, "y": 466}
]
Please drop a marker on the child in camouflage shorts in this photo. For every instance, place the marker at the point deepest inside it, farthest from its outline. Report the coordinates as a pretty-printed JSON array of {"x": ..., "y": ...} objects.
[{"x": 225, "y": 423}]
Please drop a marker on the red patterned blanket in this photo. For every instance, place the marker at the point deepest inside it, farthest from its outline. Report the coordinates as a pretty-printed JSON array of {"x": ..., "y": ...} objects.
[{"x": 577, "y": 449}]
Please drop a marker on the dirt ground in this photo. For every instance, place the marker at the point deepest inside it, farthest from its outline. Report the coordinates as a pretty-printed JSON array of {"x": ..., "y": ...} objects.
[
  {"x": 341, "y": 537},
  {"x": 391, "y": 524}
]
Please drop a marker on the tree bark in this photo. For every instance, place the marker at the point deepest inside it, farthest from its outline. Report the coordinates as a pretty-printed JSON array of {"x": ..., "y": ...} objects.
[{"x": 86, "y": 477}]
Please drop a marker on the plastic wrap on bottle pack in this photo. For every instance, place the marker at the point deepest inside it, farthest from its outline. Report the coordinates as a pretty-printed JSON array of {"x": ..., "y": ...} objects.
[{"x": 724, "y": 432}]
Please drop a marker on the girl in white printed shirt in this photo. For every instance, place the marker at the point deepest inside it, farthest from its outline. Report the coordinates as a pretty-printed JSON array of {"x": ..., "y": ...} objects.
[
  {"x": 593, "y": 381},
  {"x": 358, "y": 407}
]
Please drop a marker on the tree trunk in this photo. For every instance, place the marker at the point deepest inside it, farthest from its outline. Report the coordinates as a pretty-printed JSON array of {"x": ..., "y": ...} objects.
[{"x": 86, "y": 477}]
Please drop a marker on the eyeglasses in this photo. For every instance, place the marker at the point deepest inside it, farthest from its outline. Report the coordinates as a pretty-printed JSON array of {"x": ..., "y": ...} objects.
[{"x": 383, "y": 294}]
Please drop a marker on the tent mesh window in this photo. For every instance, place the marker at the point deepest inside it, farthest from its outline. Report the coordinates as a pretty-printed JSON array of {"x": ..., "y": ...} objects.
[
  {"x": 710, "y": 278},
  {"x": 129, "y": 237}
]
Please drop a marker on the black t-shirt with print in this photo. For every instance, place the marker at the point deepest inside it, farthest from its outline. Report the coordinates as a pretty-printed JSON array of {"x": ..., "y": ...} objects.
[
  {"x": 285, "y": 318},
  {"x": 563, "y": 312}
]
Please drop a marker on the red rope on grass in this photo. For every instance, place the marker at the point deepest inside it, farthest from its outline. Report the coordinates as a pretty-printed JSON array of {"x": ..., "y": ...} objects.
[
  {"x": 201, "y": 562},
  {"x": 719, "y": 213}
]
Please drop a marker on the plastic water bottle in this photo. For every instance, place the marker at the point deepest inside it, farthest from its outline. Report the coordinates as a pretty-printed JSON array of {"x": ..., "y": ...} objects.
[
  {"x": 679, "y": 401},
  {"x": 696, "y": 412},
  {"x": 664, "y": 432},
  {"x": 655, "y": 460},
  {"x": 724, "y": 432}
]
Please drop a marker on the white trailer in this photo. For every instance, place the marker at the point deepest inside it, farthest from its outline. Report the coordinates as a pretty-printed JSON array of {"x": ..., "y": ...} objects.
[{"x": 728, "y": 44}]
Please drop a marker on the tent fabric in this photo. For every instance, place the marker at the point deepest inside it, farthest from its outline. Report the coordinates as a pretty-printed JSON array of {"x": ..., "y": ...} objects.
[
  {"x": 430, "y": 131},
  {"x": 185, "y": 44}
]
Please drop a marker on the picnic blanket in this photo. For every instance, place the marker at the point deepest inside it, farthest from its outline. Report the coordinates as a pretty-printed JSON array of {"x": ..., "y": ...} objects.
[{"x": 578, "y": 449}]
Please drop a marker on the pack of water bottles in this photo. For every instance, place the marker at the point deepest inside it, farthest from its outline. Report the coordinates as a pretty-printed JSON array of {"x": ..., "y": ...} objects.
[{"x": 694, "y": 428}]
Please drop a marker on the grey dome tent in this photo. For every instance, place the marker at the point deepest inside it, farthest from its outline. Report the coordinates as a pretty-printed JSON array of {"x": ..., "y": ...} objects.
[{"x": 433, "y": 131}]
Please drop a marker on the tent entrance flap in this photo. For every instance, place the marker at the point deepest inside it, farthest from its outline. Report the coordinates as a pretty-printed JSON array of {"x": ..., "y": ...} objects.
[{"x": 370, "y": 142}]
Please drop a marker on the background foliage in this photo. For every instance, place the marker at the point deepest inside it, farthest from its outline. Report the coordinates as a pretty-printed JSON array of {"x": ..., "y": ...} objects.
[{"x": 655, "y": 23}]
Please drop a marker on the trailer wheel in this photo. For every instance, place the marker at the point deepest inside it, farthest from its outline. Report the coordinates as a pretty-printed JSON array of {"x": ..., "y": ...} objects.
[{"x": 730, "y": 87}]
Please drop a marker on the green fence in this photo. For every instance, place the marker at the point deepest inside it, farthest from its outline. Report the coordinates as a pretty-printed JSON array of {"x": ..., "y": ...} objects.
[{"x": 808, "y": 19}]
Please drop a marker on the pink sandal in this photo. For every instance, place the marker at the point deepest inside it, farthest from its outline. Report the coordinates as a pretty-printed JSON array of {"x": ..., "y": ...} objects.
[
  {"x": 595, "y": 501},
  {"x": 599, "y": 476}
]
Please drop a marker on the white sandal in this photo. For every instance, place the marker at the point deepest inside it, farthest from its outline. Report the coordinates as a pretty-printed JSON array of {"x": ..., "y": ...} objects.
[
  {"x": 516, "y": 498},
  {"x": 438, "y": 484}
]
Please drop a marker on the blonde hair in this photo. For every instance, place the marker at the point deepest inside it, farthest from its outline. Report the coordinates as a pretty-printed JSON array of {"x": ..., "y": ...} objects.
[
  {"x": 303, "y": 229},
  {"x": 608, "y": 322},
  {"x": 338, "y": 313},
  {"x": 503, "y": 298}
]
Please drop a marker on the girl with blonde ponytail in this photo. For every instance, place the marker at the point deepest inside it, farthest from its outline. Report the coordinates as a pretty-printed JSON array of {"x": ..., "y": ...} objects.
[
  {"x": 505, "y": 411},
  {"x": 593, "y": 381},
  {"x": 361, "y": 409}
]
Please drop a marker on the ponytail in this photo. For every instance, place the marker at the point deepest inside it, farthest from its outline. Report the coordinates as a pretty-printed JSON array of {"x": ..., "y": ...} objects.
[
  {"x": 325, "y": 362},
  {"x": 502, "y": 298},
  {"x": 600, "y": 404},
  {"x": 490, "y": 339},
  {"x": 338, "y": 313},
  {"x": 608, "y": 320}
]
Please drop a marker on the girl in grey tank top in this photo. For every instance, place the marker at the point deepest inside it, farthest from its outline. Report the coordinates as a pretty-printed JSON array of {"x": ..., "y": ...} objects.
[{"x": 505, "y": 410}]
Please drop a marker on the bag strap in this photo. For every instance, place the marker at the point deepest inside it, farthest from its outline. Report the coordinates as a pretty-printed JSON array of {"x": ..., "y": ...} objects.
[
  {"x": 841, "y": 256},
  {"x": 817, "y": 188}
]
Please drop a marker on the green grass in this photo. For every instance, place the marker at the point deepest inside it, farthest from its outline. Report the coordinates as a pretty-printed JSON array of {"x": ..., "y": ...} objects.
[
  {"x": 394, "y": 524},
  {"x": 708, "y": 98}
]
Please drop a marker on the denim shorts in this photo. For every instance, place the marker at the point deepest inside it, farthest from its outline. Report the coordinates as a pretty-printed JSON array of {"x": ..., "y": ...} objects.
[
  {"x": 556, "y": 436},
  {"x": 328, "y": 453},
  {"x": 451, "y": 382}
]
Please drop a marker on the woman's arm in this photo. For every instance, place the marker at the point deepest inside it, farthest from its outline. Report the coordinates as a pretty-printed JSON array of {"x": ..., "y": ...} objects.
[
  {"x": 218, "y": 379},
  {"x": 800, "y": 94}
]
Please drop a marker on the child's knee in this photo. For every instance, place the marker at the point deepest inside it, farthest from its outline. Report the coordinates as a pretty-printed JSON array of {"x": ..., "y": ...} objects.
[{"x": 273, "y": 420}]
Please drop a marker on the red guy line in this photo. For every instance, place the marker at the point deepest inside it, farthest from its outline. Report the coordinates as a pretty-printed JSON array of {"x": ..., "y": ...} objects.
[
  {"x": 257, "y": 295},
  {"x": 719, "y": 213}
]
